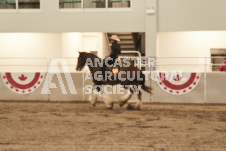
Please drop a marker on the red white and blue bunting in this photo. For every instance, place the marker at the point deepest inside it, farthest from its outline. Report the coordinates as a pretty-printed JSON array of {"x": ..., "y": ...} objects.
[
  {"x": 22, "y": 83},
  {"x": 179, "y": 84}
]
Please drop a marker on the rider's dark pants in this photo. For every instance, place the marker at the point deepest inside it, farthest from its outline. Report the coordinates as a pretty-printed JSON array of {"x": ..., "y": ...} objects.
[{"x": 109, "y": 61}]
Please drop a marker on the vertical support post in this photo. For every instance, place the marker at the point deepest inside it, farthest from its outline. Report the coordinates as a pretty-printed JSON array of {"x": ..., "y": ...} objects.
[
  {"x": 82, "y": 5},
  {"x": 150, "y": 79},
  {"x": 83, "y": 87},
  {"x": 17, "y": 5},
  {"x": 48, "y": 64},
  {"x": 151, "y": 28},
  {"x": 106, "y": 4},
  {"x": 205, "y": 97}
]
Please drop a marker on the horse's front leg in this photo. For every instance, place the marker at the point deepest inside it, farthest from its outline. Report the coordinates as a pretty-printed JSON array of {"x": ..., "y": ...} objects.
[
  {"x": 96, "y": 92},
  {"x": 108, "y": 100}
]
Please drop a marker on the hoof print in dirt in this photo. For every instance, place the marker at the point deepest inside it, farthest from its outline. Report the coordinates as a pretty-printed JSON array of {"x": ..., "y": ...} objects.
[{"x": 132, "y": 107}]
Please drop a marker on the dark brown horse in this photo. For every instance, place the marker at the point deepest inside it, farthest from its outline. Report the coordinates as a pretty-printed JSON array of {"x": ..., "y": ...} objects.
[{"x": 129, "y": 76}]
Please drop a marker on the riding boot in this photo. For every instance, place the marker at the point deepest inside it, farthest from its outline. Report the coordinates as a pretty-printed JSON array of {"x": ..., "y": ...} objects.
[{"x": 103, "y": 73}]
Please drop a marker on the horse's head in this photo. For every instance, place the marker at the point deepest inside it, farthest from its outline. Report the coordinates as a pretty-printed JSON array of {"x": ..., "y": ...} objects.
[{"x": 81, "y": 61}]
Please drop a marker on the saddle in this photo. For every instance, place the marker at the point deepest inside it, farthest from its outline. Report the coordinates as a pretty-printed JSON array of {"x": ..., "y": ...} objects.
[{"x": 114, "y": 69}]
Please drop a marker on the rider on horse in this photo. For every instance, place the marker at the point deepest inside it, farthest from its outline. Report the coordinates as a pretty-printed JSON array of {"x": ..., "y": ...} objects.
[{"x": 115, "y": 51}]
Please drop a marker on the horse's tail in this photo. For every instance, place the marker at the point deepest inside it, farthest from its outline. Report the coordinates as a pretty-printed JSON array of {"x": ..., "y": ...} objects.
[
  {"x": 143, "y": 86},
  {"x": 146, "y": 88}
]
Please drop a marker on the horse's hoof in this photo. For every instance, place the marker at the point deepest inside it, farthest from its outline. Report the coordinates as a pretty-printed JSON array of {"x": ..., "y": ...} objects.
[
  {"x": 111, "y": 107},
  {"x": 137, "y": 108},
  {"x": 122, "y": 104}
]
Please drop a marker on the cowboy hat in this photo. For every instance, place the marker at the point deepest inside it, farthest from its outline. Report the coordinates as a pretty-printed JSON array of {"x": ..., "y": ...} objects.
[{"x": 115, "y": 37}]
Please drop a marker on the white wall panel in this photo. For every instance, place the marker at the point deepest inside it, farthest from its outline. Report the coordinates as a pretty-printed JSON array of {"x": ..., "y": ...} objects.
[
  {"x": 30, "y": 45},
  {"x": 196, "y": 44},
  {"x": 22, "y": 46},
  {"x": 191, "y": 15},
  {"x": 50, "y": 19},
  {"x": 189, "y": 44}
]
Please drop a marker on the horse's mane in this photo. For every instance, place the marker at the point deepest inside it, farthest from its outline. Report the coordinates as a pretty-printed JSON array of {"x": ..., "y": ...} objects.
[
  {"x": 90, "y": 55},
  {"x": 93, "y": 55}
]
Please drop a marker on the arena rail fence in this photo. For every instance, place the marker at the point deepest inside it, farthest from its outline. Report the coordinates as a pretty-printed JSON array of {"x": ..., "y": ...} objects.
[{"x": 31, "y": 79}]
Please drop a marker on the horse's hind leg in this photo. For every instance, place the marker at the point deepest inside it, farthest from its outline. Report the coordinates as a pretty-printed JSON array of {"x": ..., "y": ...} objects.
[
  {"x": 123, "y": 100},
  {"x": 139, "y": 102}
]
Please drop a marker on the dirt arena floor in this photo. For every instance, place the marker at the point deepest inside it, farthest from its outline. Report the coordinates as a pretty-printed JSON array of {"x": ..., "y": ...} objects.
[{"x": 39, "y": 126}]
